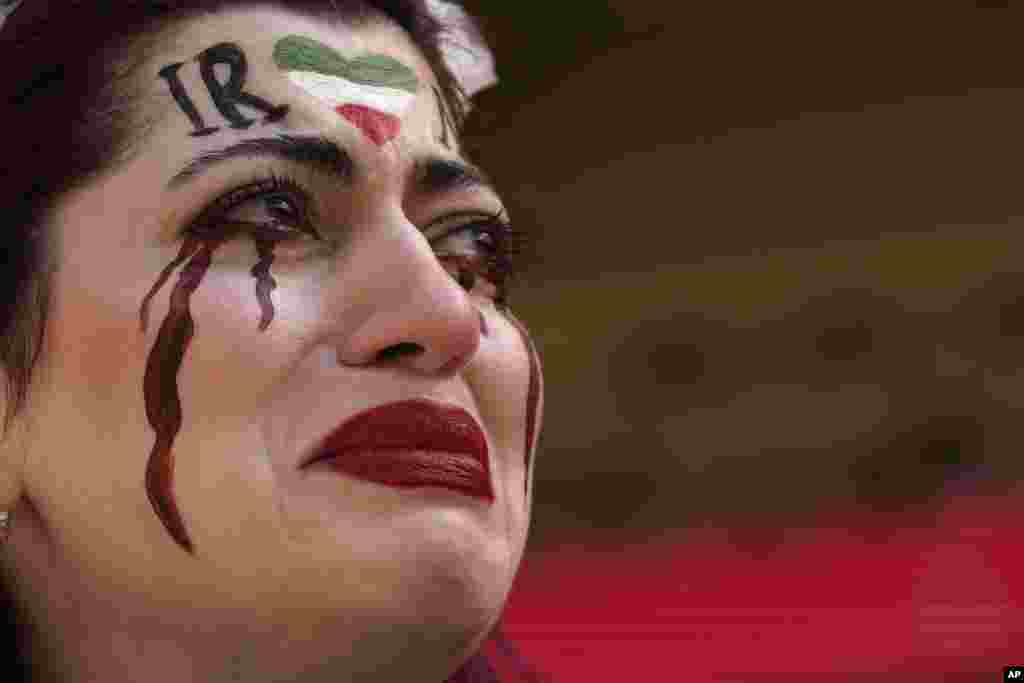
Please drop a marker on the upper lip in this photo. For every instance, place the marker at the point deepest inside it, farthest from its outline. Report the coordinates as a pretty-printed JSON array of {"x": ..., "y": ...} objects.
[{"x": 416, "y": 424}]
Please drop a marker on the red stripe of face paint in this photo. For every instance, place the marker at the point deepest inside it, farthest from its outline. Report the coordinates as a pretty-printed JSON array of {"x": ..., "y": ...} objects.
[{"x": 376, "y": 125}]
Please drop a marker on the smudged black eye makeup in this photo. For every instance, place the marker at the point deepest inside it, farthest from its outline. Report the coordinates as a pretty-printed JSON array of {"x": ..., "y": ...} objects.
[
  {"x": 480, "y": 251},
  {"x": 275, "y": 208}
]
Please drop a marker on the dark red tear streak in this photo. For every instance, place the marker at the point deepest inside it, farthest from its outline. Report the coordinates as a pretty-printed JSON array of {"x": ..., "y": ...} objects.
[
  {"x": 265, "y": 283},
  {"x": 532, "y": 394},
  {"x": 187, "y": 249},
  {"x": 160, "y": 385}
]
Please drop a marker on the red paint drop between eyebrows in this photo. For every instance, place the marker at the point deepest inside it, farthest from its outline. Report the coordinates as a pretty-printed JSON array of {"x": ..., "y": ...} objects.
[
  {"x": 376, "y": 125},
  {"x": 532, "y": 394},
  {"x": 160, "y": 385}
]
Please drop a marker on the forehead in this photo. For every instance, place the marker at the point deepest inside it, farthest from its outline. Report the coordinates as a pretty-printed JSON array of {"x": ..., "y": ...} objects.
[
  {"x": 222, "y": 76},
  {"x": 261, "y": 26}
]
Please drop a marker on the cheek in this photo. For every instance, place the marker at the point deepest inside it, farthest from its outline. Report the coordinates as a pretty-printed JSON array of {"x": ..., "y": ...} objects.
[
  {"x": 231, "y": 363},
  {"x": 95, "y": 351},
  {"x": 500, "y": 378},
  {"x": 233, "y": 367},
  {"x": 93, "y": 336},
  {"x": 88, "y": 460}
]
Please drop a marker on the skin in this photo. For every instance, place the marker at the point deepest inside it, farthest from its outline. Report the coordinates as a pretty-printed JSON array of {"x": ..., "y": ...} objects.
[{"x": 287, "y": 574}]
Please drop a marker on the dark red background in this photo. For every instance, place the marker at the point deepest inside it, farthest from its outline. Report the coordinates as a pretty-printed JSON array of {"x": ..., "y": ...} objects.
[{"x": 897, "y": 598}]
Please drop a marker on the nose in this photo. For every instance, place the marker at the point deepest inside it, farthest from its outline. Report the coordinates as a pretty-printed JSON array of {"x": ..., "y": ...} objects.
[{"x": 409, "y": 312}]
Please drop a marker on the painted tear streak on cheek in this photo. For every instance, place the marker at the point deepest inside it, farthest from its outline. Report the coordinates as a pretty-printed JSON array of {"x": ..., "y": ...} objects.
[
  {"x": 265, "y": 283},
  {"x": 377, "y": 126},
  {"x": 187, "y": 249},
  {"x": 532, "y": 395},
  {"x": 160, "y": 385},
  {"x": 370, "y": 91}
]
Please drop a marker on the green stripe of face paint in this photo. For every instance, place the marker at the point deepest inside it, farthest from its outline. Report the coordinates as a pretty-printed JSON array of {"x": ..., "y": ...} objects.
[{"x": 297, "y": 53}]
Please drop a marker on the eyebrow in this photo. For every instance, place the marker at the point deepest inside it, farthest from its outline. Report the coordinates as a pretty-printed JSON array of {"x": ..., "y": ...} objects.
[
  {"x": 437, "y": 176},
  {"x": 318, "y": 152},
  {"x": 433, "y": 175}
]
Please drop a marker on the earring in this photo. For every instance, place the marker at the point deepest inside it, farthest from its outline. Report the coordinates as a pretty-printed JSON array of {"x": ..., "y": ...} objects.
[{"x": 5, "y": 523}]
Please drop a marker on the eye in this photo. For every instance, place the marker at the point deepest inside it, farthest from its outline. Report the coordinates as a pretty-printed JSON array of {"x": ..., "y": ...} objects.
[
  {"x": 478, "y": 255},
  {"x": 283, "y": 209},
  {"x": 279, "y": 216},
  {"x": 273, "y": 209}
]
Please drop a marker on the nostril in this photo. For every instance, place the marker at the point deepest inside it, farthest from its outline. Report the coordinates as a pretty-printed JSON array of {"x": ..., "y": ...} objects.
[{"x": 401, "y": 349}]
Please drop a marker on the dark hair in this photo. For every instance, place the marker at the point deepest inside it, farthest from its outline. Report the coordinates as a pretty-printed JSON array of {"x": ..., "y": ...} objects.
[{"x": 68, "y": 93}]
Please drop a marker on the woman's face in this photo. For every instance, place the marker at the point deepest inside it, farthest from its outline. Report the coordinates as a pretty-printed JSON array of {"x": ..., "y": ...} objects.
[{"x": 327, "y": 252}]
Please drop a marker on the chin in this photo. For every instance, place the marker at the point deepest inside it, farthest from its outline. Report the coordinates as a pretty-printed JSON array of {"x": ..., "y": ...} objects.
[
  {"x": 417, "y": 620},
  {"x": 458, "y": 580},
  {"x": 435, "y": 615},
  {"x": 451, "y": 596}
]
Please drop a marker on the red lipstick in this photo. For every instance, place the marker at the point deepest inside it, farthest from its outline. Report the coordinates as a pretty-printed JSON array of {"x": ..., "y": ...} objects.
[{"x": 411, "y": 444}]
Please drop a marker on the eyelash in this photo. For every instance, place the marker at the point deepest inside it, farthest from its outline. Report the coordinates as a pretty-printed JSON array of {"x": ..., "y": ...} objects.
[
  {"x": 214, "y": 221},
  {"x": 501, "y": 258},
  {"x": 498, "y": 263}
]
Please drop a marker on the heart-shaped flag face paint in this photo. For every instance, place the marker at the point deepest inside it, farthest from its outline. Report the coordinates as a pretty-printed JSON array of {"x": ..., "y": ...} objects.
[{"x": 371, "y": 91}]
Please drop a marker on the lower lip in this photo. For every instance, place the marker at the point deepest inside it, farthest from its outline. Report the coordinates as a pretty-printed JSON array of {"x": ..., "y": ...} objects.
[{"x": 415, "y": 469}]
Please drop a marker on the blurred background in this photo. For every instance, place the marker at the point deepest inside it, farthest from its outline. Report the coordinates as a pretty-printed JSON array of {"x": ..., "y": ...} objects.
[{"x": 778, "y": 289}]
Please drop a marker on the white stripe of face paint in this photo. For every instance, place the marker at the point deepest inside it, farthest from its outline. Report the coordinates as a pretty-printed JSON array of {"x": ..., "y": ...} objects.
[{"x": 337, "y": 91}]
